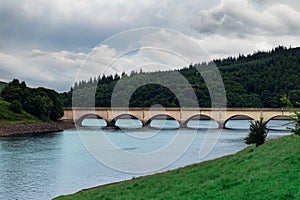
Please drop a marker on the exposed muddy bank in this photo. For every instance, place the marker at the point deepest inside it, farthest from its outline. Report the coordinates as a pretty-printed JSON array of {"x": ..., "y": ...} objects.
[{"x": 22, "y": 129}]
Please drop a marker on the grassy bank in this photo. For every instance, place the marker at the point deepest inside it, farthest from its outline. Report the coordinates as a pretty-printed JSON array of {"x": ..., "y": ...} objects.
[
  {"x": 8, "y": 117},
  {"x": 271, "y": 171}
]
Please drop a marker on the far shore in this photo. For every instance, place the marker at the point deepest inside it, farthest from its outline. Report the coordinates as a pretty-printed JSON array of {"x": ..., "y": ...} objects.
[{"x": 24, "y": 129}]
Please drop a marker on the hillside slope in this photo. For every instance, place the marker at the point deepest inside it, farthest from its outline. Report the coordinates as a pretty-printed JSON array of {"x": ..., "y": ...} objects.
[{"x": 8, "y": 117}]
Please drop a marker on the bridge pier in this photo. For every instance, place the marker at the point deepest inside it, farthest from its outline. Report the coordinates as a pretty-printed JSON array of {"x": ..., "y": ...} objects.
[
  {"x": 183, "y": 125},
  {"x": 111, "y": 124},
  {"x": 221, "y": 124}
]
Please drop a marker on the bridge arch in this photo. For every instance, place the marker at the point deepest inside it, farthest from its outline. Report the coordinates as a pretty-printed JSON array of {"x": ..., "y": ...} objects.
[
  {"x": 272, "y": 126},
  {"x": 198, "y": 117},
  {"x": 239, "y": 117},
  {"x": 277, "y": 117},
  {"x": 88, "y": 116},
  {"x": 123, "y": 116},
  {"x": 161, "y": 117}
]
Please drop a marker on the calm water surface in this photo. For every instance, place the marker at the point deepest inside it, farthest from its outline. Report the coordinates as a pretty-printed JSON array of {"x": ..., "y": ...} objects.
[{"x": 48, "y": 165}]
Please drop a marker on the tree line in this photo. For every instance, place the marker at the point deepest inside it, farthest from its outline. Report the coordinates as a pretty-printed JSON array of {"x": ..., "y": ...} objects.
[
  {"x": 41, "y": 102},
  {"x": 254, "y": 80}
]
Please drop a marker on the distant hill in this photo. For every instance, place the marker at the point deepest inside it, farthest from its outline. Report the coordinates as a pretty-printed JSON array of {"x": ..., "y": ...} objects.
[
  {"x": 2, "y": 84},
  {"x": 254, "y": 80}
]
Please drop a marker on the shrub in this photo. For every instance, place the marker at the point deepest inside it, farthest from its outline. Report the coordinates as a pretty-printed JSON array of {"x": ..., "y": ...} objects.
[
  {"x": 257, "y": 133},
  {"x": 16, "y": 107}
]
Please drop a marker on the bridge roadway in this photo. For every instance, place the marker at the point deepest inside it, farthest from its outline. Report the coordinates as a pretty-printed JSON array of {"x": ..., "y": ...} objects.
[{"x": 182, "y": 115}]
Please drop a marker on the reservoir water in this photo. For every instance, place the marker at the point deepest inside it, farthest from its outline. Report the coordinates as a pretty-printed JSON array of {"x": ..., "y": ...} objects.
[{"x": 48, "y": 165}]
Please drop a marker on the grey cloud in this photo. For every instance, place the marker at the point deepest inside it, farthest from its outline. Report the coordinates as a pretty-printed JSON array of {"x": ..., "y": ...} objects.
[
  {"x": 71, "y": 24},
  {"x": 241, "y": 18}
]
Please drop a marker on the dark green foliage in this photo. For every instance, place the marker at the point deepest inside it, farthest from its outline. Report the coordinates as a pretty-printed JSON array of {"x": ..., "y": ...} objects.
[
  {"x": 39, "y": 104},
  {"x": 67, "y": 98},
  {"x": 55, "y": 103},
  {"x": 43, "y": 103},
  {"x": 14, "y": 91},
  {"x": 257, "y": 133},
  {"x": 16, "y": 107},
  {"x": 2, "y": 84},
  {"x": 257, "y": 80},
  {"x": 8, "y": 117},
  {"x": 163, "y": 96}
]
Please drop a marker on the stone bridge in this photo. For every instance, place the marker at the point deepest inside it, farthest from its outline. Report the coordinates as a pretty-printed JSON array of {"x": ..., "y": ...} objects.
[{"x": 182, "y": 115}]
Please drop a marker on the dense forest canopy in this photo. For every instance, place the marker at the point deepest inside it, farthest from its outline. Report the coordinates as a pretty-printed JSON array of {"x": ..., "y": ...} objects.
[
  {"x": 43, "y": 103},
  {"x": 256, "y": 80},
  {"x": 2, "y": 84}
]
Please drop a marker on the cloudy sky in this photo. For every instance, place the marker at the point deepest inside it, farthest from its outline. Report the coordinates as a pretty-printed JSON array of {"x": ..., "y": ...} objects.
[{"x": 45, "y": 42}]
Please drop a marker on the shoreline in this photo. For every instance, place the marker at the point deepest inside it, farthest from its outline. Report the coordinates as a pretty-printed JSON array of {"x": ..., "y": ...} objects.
[{"x": 27, "y": 129}]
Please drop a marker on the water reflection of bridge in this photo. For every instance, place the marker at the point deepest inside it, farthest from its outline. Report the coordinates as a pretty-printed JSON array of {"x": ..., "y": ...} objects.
[{"x": 182, "y": 115}]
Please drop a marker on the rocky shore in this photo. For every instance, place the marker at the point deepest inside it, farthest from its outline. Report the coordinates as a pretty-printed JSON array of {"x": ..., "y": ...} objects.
[{"x": 22, "y": 129}]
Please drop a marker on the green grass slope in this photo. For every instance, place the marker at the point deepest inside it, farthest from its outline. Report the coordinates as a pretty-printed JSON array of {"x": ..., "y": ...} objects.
[
  {"x": 271, "y": 171},
  {"x": 8, "y": 117}
]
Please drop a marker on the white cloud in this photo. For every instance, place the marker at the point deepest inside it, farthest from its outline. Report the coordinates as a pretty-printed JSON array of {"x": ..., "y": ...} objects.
[
  {"x": 41, "y": 68},
  {"x": 148, "y": 49},
  {"x": 221, "y": 46}
]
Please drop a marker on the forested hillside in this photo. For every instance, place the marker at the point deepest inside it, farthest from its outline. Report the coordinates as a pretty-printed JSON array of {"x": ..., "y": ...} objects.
[{"x": 256, "y": 80}]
